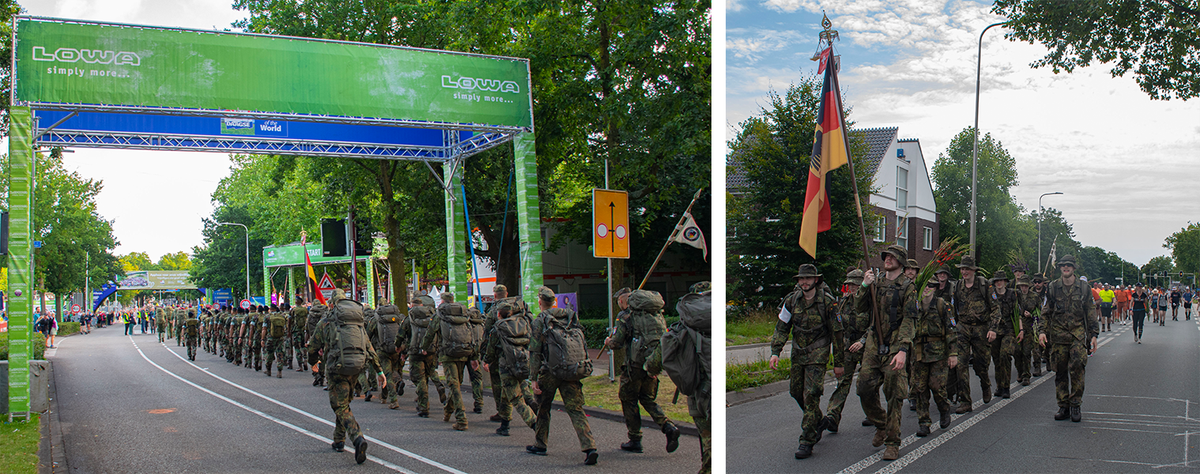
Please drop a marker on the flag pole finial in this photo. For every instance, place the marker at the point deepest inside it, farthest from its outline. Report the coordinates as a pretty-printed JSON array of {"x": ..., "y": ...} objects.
[{"x": 827, "y": 36}]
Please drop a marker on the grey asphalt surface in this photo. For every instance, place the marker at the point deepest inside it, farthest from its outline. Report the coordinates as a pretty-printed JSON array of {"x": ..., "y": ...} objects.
[
  {"x": 120, "y": 412},
  {"x": 1137, "y": 417}
]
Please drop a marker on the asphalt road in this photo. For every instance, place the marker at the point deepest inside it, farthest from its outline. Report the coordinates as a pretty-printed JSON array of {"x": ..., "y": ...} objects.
[
  {"x": 1137, "y": 417},
  {"x": 131, "y": 404}
]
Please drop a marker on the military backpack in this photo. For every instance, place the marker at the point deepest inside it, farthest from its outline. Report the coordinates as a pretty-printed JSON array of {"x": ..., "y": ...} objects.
[
  {"x": 276, "y": 325},
  {"x": 420, "y": 317},
  {"x": 565, "y": 345},
  {"x": 348, "y": 345},
  {"x": 687, "y": 349},
  {"x": 458, "y": 335},
  {"x": 192, "y": 325},
  {"x": 387, "y": 328},
  {"x": 513, "y": 333},
  {"x": 647, "y": 323}
]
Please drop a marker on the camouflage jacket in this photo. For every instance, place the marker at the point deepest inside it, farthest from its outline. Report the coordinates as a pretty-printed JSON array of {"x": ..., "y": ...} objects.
[
  {"x": 297, "y": 319},
  {"x": 813, "y": 327},
  {"x": 974, "y": 306},
  {"x": 1003, "y": 322},
  {"x": 1029, "y": 302},
  {"x": 1068, "y": 315},
  {"x": 892, "y": 297},
  {"x": 854, "y": 322},
  {"x": 639, "y": 333},
  {"x": 934, "y": 335},
  {"x": 325, "y": 337}
]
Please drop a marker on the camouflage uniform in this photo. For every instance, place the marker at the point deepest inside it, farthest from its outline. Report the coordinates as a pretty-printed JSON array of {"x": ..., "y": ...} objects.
[
  {"x": 191, "y": 333},
  {"x": 572, "y": 392},
  {"x": 974, "y": 311},
  {"x": 1069, "y": 323},
  {"x": 255, "y": 336},
  {"x": 892, "y": 300},
  {"x": 422, "y": 368},
  {"x": 453, "y": 368},
  {"x": 511, "y": 390},
  {"x": 180, "y": 316},
  {"x": 854, "y": 329},
  {"x": 160, "y": 320},
  {"x": 276, "y": 347},
  {"x": 1004, "y": 322},
  {"x": 934, "y": 341},
  {"x": 636, "y": 386},
  {"x": 476, "y": 373},
  {"x": 813, "y": 326},
  {"x": 298, "y": 317},
  {"x": 315, "y": 314},
  {"x": 497, "y": 381},
  {"x": 341, "y": 387},
  {"x": 1026, "y": 302}
]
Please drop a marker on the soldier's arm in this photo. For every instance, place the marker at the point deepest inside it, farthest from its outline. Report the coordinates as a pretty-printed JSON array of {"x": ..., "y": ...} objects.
[
  {"x": 951, "y": 333},
  {"x": 780, "y": 337},
  {"x": 908, "y": 327},
  {"x": 1093, "y": 323},
  {"x": 315, "y": 343},
  {"x": 995, "y": 319},
  {"x": 491, "y": 346},
  {"x": 373, "y": 360},
  {"x": 621, "y": 332},
  {"x": 431, "y": 336},
  {"x": 839, "y": 336},
  {"x": 535, "y": 349}
]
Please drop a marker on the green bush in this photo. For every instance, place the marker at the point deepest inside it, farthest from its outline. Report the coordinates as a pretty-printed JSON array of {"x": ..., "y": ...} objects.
[
  {"x": 68, "y": 328},
  {"x": 597, "y": 329},
  {"x": 742, "y": 376},
  {"x": 39, "y": 346}
]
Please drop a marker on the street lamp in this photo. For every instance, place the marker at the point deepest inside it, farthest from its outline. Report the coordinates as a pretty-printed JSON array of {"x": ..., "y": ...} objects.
[
  {"x": 975, "y": 147},
  {"x": 1040, "y": 211},
  {"x": 247, "y": 253}
]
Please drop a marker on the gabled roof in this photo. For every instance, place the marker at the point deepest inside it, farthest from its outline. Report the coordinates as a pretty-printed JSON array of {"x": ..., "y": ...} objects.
[{"x": 878, "y": 140}]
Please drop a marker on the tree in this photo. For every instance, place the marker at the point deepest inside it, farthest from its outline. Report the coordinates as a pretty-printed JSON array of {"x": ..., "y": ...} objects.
[
  {"x": 175, "y": 261},
  {"x": 774, "y": 149},
  {"x": 1000, "y": 226},
  {"x": 8, "y": 10},
  {"x": 221, "y": 261},
  {"x": 1157, "y": 269},
  {"x": 1185, "y": 248},
  {"x": 1057, "y": 232},
  {"x": 1156, "y": 40}
]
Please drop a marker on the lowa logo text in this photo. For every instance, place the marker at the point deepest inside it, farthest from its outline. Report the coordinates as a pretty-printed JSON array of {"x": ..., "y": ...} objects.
[
  {"x": 493, "y": 85},
  {"x": 90, "y": 56}
]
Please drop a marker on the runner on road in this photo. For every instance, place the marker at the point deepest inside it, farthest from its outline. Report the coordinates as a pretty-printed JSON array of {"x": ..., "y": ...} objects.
[
  {"x": 1138, "y": 300},
  {"x": 1162, "y": 307},
  {"x": 1187, "y": 303},
  {"x": 1176, "y": 296}
]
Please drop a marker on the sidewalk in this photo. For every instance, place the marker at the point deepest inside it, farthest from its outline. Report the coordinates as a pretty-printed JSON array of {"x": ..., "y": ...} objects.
[{"x": 748, "y": 353}]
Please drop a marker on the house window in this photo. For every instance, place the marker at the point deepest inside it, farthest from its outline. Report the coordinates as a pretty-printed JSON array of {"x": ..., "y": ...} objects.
[
  {"x": 901, "y": 232},
  {"x": 927, "y": 238},
  {"x": 880, "y": 228},
  {"x": 901, "y": 188}
]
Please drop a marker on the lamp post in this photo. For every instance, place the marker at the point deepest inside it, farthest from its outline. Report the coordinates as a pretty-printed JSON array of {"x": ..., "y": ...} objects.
[
  {"x": 1040, "y": 210},
  {"x": 975, "y": 146},
  {"x": 247, "y": 253}
]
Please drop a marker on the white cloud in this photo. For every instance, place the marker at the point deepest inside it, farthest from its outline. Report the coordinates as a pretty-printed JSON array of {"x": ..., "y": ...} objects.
[{"x": 734, "y": 5}]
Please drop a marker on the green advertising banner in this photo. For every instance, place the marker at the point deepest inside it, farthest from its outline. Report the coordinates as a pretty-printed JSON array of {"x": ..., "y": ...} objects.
[
  {"x": 156, "y": 280},
  {"x": 20, "y": 257},
  {"x": 288, "y": 255},
  {"x": 126, "y": 66}
]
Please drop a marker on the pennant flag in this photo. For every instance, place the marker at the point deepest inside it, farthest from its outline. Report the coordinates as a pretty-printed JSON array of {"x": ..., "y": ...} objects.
[
  {"x": 312, "y": 276},
  {"x": 689, "y": 233},
  {"x": 828, "y": 153}
]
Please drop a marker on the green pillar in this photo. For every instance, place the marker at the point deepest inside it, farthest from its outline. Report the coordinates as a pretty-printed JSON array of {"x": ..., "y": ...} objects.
[
  {"x": 456, "y": 266},
  {"x": 371, "y": 282},
  {"x": 267, "y": 284},
  {"x": 529, "y": 222},
  {"x": 20, "y": 258},
  {"x": 291, "y": 285}
]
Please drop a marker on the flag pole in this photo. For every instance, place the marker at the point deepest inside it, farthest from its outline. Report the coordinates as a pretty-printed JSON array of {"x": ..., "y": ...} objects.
[
  {"x": 862, "y": 229},
  {"x": 670, "y": 239}
]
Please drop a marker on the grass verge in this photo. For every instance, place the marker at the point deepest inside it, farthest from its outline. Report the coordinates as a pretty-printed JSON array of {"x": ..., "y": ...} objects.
[
  {"x": 18, "y": 446},
  {"x": 600, "y": 393},
  {"x": 753, "y": 328},
  {"x": 739, "y": 377}
]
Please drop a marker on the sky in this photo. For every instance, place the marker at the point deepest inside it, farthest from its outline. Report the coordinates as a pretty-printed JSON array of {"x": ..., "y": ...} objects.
[
  {"x": 156, "y": 199},
  {"x": 1127, "y": 165}
]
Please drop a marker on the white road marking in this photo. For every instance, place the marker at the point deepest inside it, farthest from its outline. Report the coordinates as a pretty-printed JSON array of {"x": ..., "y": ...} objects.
[
  {"x": 289, "y": 425},
  {"x": 913, "y": 456}
]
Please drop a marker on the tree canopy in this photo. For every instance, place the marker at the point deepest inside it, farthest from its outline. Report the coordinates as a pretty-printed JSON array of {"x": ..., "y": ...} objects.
[{"x": 1155, "y": 40}]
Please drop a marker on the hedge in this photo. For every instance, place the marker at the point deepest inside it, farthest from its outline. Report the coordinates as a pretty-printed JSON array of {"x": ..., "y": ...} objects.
[
  {"x": 39, "y": 346},
  {"x": 597, "y": 329},
  {"x": 67, "y": 328}
]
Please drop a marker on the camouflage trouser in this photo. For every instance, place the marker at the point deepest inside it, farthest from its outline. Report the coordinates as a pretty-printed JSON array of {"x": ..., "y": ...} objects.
[
  {"x": 389, "y": 363},
  {"x": 298, "y": 348},
  {"x": 255, "y": 354},
  {"x": 973, "y": 347},
  {"x": 639, "y": 387},
  {"x": 1002, "y": 356},
  {"x": 1024, "y": 356},
  {"x": 476, "y": 375},
  {"x": 179, "y": 335},
  {"x": 191, "y": 347},
  {"x": 877, "y": 372},
  {"x": 704, "y": 426},
  {"x": 572, "y": 396},
  {"x": 276, "y": 351},
  {"x": 514, "y": 392},
  {"x": 454, "y": 375},
  {"x": 422, "y": 371},
  {"x": 498, "y": 392},
  {"x": 1068, "y": 362},
  {"x": 807, "y": 385},
  {"x": 930, "y": 377},
  {"x": 341, "y": 390},
  {"x": 838, "y": 399},
  {"x": 161, "y": 333}
]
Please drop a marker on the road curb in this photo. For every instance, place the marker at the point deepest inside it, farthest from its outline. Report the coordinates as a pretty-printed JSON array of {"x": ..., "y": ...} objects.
[
  {"x": 763, "y": 391},
  {"x": 51, "y": 455},
  {"x": 747, "y": 346}
]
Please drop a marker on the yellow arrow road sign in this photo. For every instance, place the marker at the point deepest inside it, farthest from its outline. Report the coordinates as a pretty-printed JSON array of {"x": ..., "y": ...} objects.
[{"x": 610, "y": 223}]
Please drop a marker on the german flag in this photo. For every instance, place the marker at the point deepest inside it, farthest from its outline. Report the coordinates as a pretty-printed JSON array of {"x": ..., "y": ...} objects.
[
  {"x": 828, "y": 153},
  {"x": 312, "y": 277}
]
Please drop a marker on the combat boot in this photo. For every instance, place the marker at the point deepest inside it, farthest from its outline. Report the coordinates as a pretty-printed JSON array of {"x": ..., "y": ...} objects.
[
  {"x": 460, "y": 425},
  {"x": 1005, "y": 394},
  {"x": 964, "y": 408},
  {"x": 804, "y": 451},
  {"x": 496, "y": 417},
  {"x": 268, "y": 372},
  {"x": 400, "y": 386},
  {"x": 880, "y": 435},
  {"x": 394, "y": 405},
  {"x": 672, "y": 433},
  {"x": 1062, "y": 414},
  {"x": 339, "y": 446},
  {"x": 922, "y": 431},
  {"x": 590, "y": 457},
  {"x": 441, "y": 395},
  {"x": 278, "y": 375},
  {"x": 987, "y": 394},
  {"x": 944, "y": 418},
  {"x": 830, "y": 425},
  {"x": 633, "y": 446},
  {"x": 503, "y": 429},
  {"x": 891, "y": 453},
  {"x": 360, "y": 450},
  {"x": 1076, "y": 414}
]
